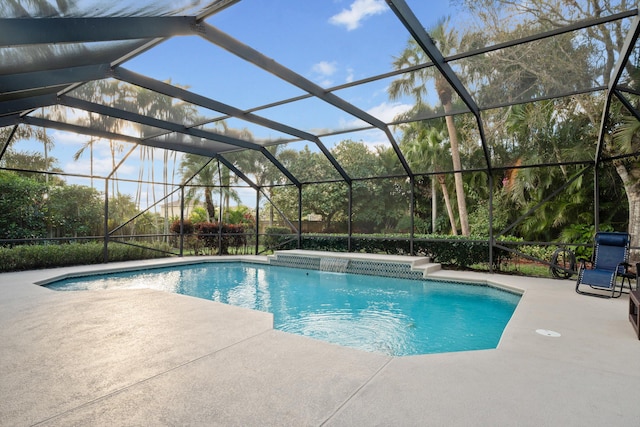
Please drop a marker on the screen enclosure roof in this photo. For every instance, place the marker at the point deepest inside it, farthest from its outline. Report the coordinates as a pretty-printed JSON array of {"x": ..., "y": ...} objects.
[{"x": 249, "y": 75}]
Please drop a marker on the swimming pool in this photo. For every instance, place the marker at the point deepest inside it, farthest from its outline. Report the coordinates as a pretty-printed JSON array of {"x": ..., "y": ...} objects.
[{"x": 397, "y": 317}]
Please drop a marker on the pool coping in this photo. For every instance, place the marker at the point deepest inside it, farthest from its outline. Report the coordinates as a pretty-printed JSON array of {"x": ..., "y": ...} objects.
[
  {"x": 97, "y": 269},
  {"x": 421, "y": 264},
  {"x": 264, "y": 377}
]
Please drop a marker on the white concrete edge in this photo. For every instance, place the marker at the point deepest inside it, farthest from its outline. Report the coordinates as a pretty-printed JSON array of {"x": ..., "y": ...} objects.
[
  {"x": 97, "y": 269},
  {"x": 401, "y": 259},
  {"x": 484, "y": 281}
]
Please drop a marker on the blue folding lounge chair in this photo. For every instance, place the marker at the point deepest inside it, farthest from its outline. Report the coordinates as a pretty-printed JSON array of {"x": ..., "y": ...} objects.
[{"x": 610, "y": 256}]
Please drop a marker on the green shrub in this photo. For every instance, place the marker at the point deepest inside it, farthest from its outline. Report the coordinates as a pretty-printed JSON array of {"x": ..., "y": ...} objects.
[
  {"x": 582, "y": 235},
  {"x": 279, "y": 238},
  {"x": 191, "y": 241},
  {"x": 457, "y": 251},
  {"x": 207, "y": 235},
  {"x": 331, "y": 243},
  {"x": 233, "y": 235},
  {"x": 22, "y": 207},
  {"x": 124, "y": 252},
  {"x": 30, "y": 257},
  {"x": 540, "y": 252},
  {"x": 187, "y": 227}
]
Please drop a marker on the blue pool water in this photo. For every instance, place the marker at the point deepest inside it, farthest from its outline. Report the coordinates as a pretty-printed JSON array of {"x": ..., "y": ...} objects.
[{"x": 392, "y": 316}]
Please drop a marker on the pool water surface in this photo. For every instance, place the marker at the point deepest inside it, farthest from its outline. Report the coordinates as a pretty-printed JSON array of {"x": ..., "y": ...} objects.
[{"x": 397, "y": 317}]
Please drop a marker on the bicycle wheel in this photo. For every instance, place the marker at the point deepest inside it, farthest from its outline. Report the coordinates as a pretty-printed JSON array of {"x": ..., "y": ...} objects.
[{"x": 564, "y": 263}]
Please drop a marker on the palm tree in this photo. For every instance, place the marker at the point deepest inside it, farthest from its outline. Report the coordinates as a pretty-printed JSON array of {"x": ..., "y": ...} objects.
[
  {"x": 415, "y": 84},
  {"x": 153, "y": 104},
  {"x": 189, "y": 167},
  {"x": 264, "y": 173},
  {"x": 536, "y": 134},
  {"x": 226, "y": 192},
  {"x": 428, "y": 150},
  {"x": 101, "y": 91},
  {"x": 214, "y": 173}
]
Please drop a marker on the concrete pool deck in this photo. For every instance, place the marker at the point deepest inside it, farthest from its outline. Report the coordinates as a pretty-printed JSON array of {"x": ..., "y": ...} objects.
[{"x": 148, "y": 358}]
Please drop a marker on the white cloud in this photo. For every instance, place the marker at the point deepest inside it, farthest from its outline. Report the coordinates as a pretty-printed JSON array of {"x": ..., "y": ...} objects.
[
  {"x": 372, "y": 137},
  {"x": 350, "y": 76},
  {"x": 68, "y": 138},
  {"x": 358, "y": 11},
  {"x": 388, "y": 112},
  {"x": 322, "y": 72},
  {"x": 102, "y": 162},
  {"x": 384, "y": 112},
  {"x": 102, "y": 166},
  {"x": 325, "y": 68}
]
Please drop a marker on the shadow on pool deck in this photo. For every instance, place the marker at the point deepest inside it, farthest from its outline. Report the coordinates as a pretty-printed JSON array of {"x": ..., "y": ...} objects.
[{"x": 141, "y": 357}]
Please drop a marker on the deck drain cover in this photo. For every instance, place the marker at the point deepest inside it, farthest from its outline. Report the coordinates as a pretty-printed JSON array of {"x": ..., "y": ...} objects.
[{"x": 548, "y": 333}]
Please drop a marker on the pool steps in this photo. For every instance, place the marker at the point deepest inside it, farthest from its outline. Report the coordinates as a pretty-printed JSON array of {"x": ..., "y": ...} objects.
[{"x": 406, "y": 267}]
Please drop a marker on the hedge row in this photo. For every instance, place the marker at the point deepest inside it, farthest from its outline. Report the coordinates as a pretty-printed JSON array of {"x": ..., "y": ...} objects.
[
  {"x": 207, "y": 235},
  {"x": 30, "y": 257},
  {"x": 448, "y": 250},
  {"x": 458, "y": 251}
]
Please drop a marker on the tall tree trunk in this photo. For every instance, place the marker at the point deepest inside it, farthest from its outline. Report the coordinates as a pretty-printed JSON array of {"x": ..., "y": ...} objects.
[
  {"x": 208, "y": 201},
  {"x": 457, "y": 165},
  {"x": 434, "y": 204},
  {"x": 447, "y": 202},
  {"x": 631, "y": 181}
]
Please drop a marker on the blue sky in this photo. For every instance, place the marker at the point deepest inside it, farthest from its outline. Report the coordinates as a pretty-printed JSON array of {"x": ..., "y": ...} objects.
[
  {"x": 327, "y": 42},
  {"x": 330, "y": 42}
]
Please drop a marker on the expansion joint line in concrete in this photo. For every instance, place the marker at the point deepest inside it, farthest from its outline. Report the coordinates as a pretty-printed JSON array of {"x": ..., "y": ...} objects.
[{"x": 348, "y": 399}]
